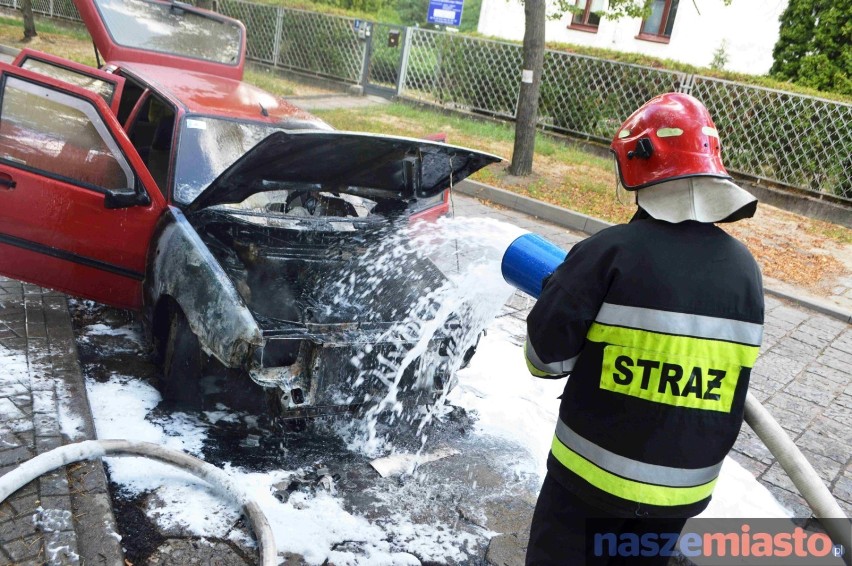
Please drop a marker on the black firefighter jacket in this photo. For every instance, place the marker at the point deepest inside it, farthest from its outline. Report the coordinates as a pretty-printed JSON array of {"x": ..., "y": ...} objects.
[{"x": 658, "y": 325}]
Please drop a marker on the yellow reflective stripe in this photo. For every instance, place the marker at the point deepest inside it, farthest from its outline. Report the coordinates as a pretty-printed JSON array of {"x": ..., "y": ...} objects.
[
  {"x": 675, "y": 346},
  {"x": 628, "y": 489},
  {"x": 682, "y": 371},
  {"x": 635, "y": 470},
  {"x": 551, "y": 369},
  {"x": 535, "y": 371},
  {"x": 681, "y": 324},
  {"x": 530, "y": 365}
]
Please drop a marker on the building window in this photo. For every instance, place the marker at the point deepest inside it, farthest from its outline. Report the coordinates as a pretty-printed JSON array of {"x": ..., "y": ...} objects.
[
  {"x": 587, "y": 20},
  {"x": 658, "y": 25}
]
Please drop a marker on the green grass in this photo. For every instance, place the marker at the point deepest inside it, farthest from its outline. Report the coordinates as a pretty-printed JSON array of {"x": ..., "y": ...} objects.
[
  {"x": 45, "y": 25},
  {"x": 425, "y": 120},
  {"x": 268, "y": 80},
  {"x": 839, "y": 234},
  {"x": 563, "y": 174}
]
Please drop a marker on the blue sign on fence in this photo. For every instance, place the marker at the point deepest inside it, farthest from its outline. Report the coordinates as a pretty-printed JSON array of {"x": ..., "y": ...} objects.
[{"x": 445, "y": 12}]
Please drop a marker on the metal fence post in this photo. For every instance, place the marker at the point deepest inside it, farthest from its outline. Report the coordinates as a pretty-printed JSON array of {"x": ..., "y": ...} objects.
[
  {"x": 437, "y": 74},
  {"x": 365, "y": 62},
  {"x": 686, "y": 85},
  {"x": 403, "y": 61},
  {"x": 279, "y": 30}
]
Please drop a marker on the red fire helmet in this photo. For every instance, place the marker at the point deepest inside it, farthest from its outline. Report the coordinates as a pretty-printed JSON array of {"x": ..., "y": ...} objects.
[{"x": 669, "y": 137}]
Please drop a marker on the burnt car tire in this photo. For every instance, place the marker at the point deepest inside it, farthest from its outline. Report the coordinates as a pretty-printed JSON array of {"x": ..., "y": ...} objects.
[{"x": 182, "y": 363}]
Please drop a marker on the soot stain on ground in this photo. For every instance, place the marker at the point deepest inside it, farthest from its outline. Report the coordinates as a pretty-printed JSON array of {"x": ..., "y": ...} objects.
[{"x": 139, "y": 536}]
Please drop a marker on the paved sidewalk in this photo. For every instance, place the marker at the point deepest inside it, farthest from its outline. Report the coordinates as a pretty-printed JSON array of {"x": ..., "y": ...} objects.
[{"x": 63, "y": 517}]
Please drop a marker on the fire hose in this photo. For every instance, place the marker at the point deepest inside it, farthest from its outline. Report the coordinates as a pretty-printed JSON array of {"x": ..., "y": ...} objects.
[
  {"x": 801, "y": 472},
  {"x": 91, "y": 449}
]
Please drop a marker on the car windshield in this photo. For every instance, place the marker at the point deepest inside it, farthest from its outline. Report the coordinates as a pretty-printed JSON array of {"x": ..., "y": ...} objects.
[
  {"x": 171, "y": 28},
  {"x": 207, "y": 147}
]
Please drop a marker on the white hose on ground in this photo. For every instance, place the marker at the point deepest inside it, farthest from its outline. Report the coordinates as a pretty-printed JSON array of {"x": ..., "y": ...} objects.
[
  {"x": 801, "y": 472},
  {"x": 91, "y": 449}
]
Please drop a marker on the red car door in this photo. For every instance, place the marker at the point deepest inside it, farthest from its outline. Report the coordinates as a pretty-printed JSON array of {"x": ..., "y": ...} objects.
[
  {"x": 166, "y": 33},
  {"x": 77, "y": 206}
]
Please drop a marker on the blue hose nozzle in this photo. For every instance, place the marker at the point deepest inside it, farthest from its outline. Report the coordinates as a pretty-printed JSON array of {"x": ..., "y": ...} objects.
[{"x": 528, "y": 260}]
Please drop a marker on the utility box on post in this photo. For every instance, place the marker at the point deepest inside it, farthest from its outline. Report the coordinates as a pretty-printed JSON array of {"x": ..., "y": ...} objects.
[{"x": 393, "y": 38}]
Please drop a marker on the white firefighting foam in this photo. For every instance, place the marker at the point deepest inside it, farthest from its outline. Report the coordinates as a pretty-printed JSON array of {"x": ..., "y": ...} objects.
[{"x": 469, "y": 252}]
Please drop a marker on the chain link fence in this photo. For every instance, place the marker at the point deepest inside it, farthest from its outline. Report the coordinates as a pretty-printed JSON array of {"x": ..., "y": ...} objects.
[
  {"x": 790, "y": 139},
  {"x": 308, "y": 42},
  {"x": 786, "y": 138},
  {"x": 64, "y": 9},
  {"x": 590, "y": 97},
  {"x": 463, "y": 72}
]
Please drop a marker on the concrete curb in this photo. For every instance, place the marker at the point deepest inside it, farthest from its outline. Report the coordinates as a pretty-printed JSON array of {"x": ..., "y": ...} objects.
[
  {"x": 10, "y": 51},
  {"x": 813, "y": 303},
  {"x": 94, "y": 522},
  {"x": 555, "y": 214},
  {"x": 577, "y": 221}
]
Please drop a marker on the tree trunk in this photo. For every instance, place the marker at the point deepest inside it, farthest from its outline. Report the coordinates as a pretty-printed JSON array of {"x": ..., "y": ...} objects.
[
  {"x": 29, "y": 20},
  {"x": 533, "y": 54}
]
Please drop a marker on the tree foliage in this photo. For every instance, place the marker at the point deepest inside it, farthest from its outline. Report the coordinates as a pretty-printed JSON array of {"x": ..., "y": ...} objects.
[
  {"x": 615, "y": 9},
  {"x": 814, "y": 48}
]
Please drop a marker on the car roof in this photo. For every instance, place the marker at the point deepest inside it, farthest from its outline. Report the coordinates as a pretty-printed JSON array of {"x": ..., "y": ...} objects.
[{"x": 203, "y": 93}]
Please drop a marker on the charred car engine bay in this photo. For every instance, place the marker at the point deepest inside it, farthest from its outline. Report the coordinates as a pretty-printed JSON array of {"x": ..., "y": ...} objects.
[{"x": 302, "y": 273}]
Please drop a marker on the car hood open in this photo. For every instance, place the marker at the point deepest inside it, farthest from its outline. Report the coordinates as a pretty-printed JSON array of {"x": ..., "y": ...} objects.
[{"x": 366, "y": 164}]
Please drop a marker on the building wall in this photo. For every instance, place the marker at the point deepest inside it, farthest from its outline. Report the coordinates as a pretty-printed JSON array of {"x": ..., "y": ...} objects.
[{"x": 748, "y": 28}]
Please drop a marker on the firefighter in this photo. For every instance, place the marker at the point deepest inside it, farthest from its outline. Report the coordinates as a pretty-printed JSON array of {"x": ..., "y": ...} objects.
[{"x": 658, "y": 322}]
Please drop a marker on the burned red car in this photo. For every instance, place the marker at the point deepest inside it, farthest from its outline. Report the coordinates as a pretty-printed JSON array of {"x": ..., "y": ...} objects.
[{"x": 164, "y": 184}]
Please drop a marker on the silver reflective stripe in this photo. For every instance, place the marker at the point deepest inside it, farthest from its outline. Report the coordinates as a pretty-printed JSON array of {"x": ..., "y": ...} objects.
[
  {"x": 634, "y": 469},
  {"x": 681, "y": 324},
  {"x": 553, "y": 368}
]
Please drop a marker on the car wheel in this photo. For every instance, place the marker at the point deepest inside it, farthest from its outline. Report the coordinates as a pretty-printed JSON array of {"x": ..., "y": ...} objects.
[{"x": 182, "y": 363}]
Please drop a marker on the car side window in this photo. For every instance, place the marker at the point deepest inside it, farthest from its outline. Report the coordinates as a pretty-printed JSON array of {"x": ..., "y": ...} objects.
[
  {"x": 133, "y": 91},
  {"x": 61, "y": 135},
  {"x": 151, "y": 135},
  {"x": 102, "y": 88}
]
